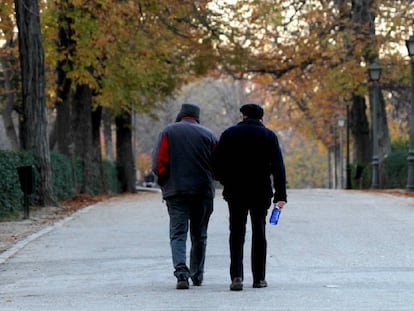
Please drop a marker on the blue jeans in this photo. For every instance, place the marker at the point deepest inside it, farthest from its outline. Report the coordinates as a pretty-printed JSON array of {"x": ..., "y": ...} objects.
[{"x": 189, "y": 212}]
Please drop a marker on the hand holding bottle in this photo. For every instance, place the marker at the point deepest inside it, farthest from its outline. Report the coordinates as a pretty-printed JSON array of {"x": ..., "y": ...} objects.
[{"x": 274, "y": 217}]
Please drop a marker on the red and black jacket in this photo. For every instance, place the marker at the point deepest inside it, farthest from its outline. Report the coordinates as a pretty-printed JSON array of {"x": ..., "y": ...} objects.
[{"x": 182, "y": 159}]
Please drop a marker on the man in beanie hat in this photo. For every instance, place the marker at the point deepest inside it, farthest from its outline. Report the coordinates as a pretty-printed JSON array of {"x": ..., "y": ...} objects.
[
  {"x": 245, "y": 159},
  {"x": 190, "y": 111},
  {"x": 182, "y": 162}
]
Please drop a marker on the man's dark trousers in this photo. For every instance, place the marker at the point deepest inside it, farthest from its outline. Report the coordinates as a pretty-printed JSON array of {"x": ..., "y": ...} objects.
[{"x": 238, "y": 211}]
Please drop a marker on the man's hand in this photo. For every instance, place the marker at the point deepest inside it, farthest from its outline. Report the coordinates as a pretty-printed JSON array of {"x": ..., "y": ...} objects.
[{"x": 280, "y": 204}]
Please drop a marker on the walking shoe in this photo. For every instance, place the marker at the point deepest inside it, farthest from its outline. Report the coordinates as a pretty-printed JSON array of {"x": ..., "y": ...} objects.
[
  {"x": 236, "y": 284},
  {"x": 197, "y": 282},
  {"x": 182, "y": 283},
  {"x": 260, "y": 284}
]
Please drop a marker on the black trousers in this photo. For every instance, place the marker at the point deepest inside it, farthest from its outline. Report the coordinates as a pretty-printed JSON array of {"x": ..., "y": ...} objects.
[{"x": 238, "y": 212}]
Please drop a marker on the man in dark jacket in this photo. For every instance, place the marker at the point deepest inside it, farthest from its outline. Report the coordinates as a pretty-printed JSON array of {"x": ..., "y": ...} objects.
[
  {"x": 182, "y": 163},
  {"x": 245, "y": 159}
]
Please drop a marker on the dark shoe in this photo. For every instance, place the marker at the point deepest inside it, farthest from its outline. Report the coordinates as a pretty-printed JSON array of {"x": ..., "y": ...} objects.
[
  {"x": 197, "y": 282},
  {"x": 236, "y": 284},
  {"x": 260, "y": 284},
  {"x": 182, "y": 283}
]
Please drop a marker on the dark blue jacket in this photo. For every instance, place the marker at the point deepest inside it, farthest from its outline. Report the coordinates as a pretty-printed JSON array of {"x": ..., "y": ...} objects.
[
  {"x": 246, "y": 157},
  {"x": 182, "y": 159}
]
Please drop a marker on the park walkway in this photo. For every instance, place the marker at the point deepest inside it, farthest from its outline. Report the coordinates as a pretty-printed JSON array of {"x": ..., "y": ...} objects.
[{"x": 332, "y": 250}]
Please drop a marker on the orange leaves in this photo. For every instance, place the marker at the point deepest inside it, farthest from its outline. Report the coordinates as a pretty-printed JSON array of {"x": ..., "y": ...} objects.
[
  {"x": 121, "y": 49},
  {"x": 312, "y": 55}
]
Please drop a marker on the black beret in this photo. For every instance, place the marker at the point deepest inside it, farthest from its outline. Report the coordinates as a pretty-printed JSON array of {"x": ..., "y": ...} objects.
[
  {"x": 189, "y": 110},
  {"x": 252, "y": 111}
]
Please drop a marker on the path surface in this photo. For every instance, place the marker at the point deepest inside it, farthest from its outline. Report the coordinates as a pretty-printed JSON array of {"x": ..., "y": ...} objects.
[{"x": 332, "y": 250}]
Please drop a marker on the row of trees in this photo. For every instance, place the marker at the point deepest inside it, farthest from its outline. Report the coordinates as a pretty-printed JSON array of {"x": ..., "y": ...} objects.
[{"x": 99, "y": 62}]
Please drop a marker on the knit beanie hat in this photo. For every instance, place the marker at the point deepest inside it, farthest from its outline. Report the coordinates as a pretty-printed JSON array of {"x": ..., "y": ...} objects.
[
  {"x": 252, "y": 111},
  {"x": 189, "y": 110}
]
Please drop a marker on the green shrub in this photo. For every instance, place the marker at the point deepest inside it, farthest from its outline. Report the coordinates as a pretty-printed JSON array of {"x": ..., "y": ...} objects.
[
  {"x": 395, "y": 170},
  {"x": 97, "y": 183},
  {"x": 111, "y": 177},
  {"x": 11, "y": 195},
  {"x": 78, "y": 175},
  {"x": 64, "y": 186},
  {"x": 363, "y": 172},
  {"x": 399, "y": 145},
  {"x": 66, "y": 182},
  {"x": 61, "y": 176},
  {"x": 106, "y": 184}
]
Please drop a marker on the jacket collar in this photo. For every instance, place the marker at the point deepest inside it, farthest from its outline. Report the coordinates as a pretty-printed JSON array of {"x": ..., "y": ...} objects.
[
  {"x": 187, "y": 118},
  {"x": 252, "y": 122}
]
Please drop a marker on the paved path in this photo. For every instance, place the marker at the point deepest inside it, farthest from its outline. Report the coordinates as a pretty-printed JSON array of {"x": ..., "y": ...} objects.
[{"x": 332, "y": 250}]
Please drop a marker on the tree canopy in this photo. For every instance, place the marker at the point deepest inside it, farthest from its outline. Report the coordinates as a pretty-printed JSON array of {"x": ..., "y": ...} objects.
[{"x": 305, "y": 61}]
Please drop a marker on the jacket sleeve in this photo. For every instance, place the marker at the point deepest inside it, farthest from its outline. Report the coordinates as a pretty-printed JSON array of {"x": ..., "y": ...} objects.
[
  {"x": 278, "y": 172},
  {"x": 161, "y": 159},
  {"x": 217, "y": 161}
]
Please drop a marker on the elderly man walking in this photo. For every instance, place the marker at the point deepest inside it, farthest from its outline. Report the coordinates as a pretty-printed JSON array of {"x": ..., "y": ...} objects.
[
  {"x": 182, "y": 163},
  {"x": 246, "y": 157}
]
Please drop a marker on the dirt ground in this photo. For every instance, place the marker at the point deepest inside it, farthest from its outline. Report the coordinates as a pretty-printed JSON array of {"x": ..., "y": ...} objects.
[{"x": 14, "y": 230}]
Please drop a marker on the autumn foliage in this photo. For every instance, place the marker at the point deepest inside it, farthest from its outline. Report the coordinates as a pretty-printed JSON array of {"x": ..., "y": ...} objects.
[{"x": 304, "y": 61}]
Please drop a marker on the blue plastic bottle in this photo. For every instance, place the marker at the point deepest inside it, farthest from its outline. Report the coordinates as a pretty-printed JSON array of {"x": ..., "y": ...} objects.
[{"x": 274, "y": 218}]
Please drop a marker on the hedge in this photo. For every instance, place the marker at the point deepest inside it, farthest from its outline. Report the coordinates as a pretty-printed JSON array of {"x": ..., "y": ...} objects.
[
  {"x": 396, "y": 170},
  {"x": 65, "y": 181}
]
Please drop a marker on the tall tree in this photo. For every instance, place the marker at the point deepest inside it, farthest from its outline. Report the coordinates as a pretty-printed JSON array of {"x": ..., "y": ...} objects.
[
  {"x": 363, "y": 17},
  {"x": 125, "y": 159},
  {"x": 9, "y": 97},
  {"x": 133, "y": 63},
  {"x": 107, "y": 131},
  {"x": 313, "y": 55},
  {"x": 309, "y": 54},
  {"x": 65, "y": 44},
  {"x": 34, "y": 130},
  {"x": 10, "y": 104}
]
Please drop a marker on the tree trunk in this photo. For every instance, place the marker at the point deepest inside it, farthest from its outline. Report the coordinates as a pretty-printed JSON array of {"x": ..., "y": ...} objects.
[
  {"x": 8, "y": 110},
  {"x": 63, "y": 83},
  {"x": 96, "y": 146},
  {"x": 82, "y": 134},
  {"x": 11, "y": 79},
  {"x": 65, "y": 128},
  {"x": 363, "y": 20},
  {"x": 384, "y": 142},
  {"x": 65, "y": 144},
  {"x": 34, "y": 123},
  {"x": 124, "y": 155},
  {"x": 107, "y": 130},
  {"x": 360, "y": 131}
]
